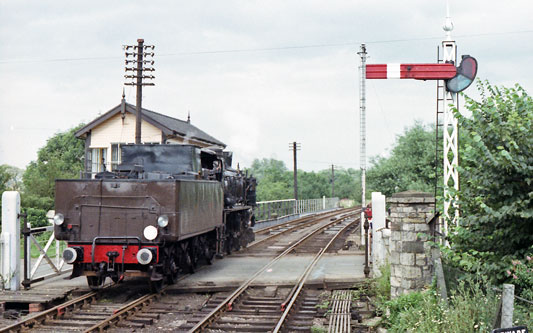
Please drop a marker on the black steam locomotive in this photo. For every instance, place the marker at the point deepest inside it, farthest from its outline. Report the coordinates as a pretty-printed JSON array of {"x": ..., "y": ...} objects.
[{"x": 161, "y": 212}]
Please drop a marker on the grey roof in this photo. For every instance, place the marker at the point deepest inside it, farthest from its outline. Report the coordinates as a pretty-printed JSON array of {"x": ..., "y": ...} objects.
[{"x": 169, "y": 126}]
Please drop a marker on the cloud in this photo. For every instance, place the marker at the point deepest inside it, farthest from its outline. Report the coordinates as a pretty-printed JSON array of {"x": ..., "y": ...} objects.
[{"x": 255, "y": 101}]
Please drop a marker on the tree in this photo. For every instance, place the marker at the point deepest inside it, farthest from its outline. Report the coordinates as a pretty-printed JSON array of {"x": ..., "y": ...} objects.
[
  {"x": 10, "y": 180},
  {"x": 496, "y": 175},
  {"x": 347, "y": 183},
  {"x": 273, "y": 179},
  {"x": 410, "y": 166},
  {"x": 312, "y": 185},
  {"x": 61, "y": 157},
  {"x": 275, "y": 182}
]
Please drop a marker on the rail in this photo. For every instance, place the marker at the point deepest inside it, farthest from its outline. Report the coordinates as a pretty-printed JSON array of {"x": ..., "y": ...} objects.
[
  {"x": 126, "y": 311},
  {"x": 279, "y": 209},
  {"x": 36, "y": 271},
  {"x": 33, "y": 320},
  {"x": 227, "y": 304},
  {"x": 287, "y": 227},
  {"x": 286, "y": 306}
]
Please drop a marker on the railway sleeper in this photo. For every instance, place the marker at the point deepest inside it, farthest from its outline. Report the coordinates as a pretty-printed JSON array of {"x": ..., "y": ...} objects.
[
  {"x": 61, "y": 322},
  {"x": 88, "y": 317},
  {"x": 247, "y": 328},
  {"x": 59, "y": 329},
  {"x": 146, "y": 321},
  {"x": 129, "y": 324},
  {"x": 265, "y": 302},
  {"x": 257, "y": 307},
  {"x": 249, "y": 316},
  {"x": 148, "y": 315},
  {"x": 298, "y": 328},
  {"x": 239, "y": 321},
  {"x": 262, "y": 300},
  {"x": 262, "y": 312}
]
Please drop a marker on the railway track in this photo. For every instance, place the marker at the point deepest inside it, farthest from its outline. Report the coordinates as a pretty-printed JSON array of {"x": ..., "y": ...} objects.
[
  {"x": 95, "y": 312},
  {"x": 91, "y": 312},
  {"x": 272, "y": 232},
  {"x": 242, "y": 311}
]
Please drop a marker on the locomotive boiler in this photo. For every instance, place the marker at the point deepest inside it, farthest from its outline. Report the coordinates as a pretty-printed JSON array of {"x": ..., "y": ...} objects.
[{"x": 165, "y": 209}]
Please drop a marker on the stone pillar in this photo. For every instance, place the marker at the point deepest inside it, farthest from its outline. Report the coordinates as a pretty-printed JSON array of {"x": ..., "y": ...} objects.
[{"x": 409, "y": 254}]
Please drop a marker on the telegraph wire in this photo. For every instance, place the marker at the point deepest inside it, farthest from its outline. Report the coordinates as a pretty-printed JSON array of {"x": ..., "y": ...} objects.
[{"x": 265, "y": 49}]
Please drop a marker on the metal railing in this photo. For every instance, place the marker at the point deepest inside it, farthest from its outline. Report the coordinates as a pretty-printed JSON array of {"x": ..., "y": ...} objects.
[
  {"x": 279, "y": 209},
  {"x": 38, "y": 271}
]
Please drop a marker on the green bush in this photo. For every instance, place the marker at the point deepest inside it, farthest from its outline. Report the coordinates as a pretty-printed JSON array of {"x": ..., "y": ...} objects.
[
  {"x": 471, "y": 308},
  {"x": 382, "y": 285}
]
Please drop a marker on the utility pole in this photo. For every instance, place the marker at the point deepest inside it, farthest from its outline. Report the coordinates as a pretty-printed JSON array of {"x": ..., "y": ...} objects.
[
  {"x": 333, "y": 181},
  {"x": 295, "y": 147},
  {"x": 137, "y": 75},
  {"x": 362, "y": 124}
]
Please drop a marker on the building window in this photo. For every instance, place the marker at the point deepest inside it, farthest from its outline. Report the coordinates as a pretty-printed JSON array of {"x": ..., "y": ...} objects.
[
  {"x": 98, "y": 156},
  {"x": 115, "y": 155}
]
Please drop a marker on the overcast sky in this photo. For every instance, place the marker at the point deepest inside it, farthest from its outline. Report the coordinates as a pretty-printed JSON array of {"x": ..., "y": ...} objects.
[{"x": 253, "y": 74}]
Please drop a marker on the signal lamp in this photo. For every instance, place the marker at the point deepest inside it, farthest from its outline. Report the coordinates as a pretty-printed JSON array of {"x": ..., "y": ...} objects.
[{"x": 466, "y": 73}]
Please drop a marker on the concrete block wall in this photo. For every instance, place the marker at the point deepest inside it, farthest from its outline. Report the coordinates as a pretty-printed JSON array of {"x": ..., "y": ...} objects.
[{"x": 408, "y": 245}]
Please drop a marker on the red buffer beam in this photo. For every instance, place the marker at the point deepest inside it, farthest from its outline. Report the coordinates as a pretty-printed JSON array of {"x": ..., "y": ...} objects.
[{"x": 411, "y": 71}]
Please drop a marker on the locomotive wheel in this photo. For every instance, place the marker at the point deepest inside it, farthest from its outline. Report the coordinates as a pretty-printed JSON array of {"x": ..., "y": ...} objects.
[
  {"x": 185, "y": 259},
  {"x": 207, "y": 252},
  {"x": 95, "y": 282},
  {"x": 173, "y": 272},
  {"x": 156, "y": 286},
  {"x": 195, "y": 253}
]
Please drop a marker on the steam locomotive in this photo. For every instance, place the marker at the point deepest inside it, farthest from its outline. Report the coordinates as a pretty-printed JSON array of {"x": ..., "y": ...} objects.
[{"x": 165, "y": 209}]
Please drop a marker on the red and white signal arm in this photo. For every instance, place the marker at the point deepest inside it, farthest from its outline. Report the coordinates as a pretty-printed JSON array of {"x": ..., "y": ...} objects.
[{"x": 457, "y": 78}]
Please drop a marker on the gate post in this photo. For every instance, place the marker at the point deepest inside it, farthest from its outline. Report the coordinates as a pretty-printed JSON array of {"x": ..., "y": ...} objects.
[{"x": 11, "y": 240}]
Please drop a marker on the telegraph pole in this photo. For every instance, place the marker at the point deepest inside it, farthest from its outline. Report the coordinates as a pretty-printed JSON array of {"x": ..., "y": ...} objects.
[
  {"x": 362, "y": 124},
  {"x": 295, "y": 147},
  {"x": 143, "y": 58},
  {"x": 333, "y": 181}
]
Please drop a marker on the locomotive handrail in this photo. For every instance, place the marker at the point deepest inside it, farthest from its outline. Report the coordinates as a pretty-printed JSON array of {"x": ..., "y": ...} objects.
[
  {"x": 127, "y": 238},
  {"x": 111, "y": 206}
]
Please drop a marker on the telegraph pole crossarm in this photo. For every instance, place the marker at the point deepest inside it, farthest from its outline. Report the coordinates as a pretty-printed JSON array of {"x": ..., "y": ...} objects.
[{"x": 137, "y": 75}]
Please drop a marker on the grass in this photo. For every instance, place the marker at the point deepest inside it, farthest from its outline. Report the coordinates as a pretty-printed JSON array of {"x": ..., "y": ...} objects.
[
  {"x": 318, "y": 329},
  {"x": 471, "y": 308}
]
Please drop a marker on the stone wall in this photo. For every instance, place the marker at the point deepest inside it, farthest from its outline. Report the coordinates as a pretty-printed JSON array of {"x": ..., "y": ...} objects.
[{"x": 409, "y": 252}]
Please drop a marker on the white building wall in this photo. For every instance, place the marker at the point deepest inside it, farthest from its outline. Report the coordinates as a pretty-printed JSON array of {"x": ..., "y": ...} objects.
[{"x": 115, "y": 130}]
